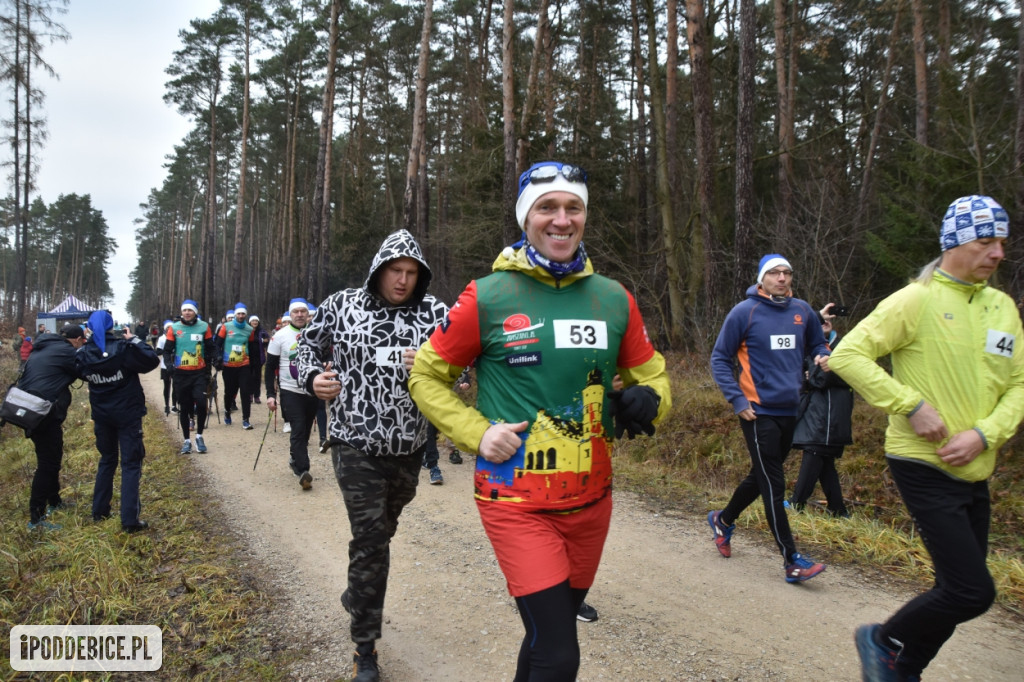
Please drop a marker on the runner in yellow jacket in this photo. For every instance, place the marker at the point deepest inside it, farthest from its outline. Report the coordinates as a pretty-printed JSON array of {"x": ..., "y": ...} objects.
[{"x": 956, "y": 394}]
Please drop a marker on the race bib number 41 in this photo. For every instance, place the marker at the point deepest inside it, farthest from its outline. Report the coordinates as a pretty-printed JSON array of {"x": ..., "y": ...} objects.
[
  {"x": 581, "y": 334},
  {"x": 389, "y": 356},
  {"x": 1000, "y": 343}
]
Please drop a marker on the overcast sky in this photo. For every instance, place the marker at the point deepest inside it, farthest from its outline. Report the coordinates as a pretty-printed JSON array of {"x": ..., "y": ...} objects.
[{"x": 108, "y": 125}]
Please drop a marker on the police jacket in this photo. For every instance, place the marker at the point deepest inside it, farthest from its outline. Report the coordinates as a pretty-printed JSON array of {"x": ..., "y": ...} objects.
[
  {"x": 49, "y": 371},
  {"x": 115, "y": 392}
]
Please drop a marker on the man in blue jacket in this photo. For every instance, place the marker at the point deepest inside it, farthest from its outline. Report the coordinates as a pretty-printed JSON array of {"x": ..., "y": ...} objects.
[
  {"x": 49, "y": 371},
  {"x": 111, "y": 363},
  {"x": 767, "y": 336}
]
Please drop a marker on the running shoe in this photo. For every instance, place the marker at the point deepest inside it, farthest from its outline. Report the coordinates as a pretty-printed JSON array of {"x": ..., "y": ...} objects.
[
  {"x": 287, "y": 428},
  {"x": 455, "y": 457},
  {"x": 227, "y": 419},
  {"x": 200, "y": 444},
  {"x": 305, "y": 480},
  {"x": 587, "y": 613},
  {"x": 256, "y": 399},
  {"x": 43, "y": 524},
  {"x": 246, "y": 426},
  {"x": 435, "y": 475},
  {"x": 723, "y": 534},
  {"x": 802, "y": 569},
  {"x": 364, "y": 668},
  {"x": 877, "y": 662},
  {"x": 167, "y": 410},
  {"x": 186, "y": 447}
]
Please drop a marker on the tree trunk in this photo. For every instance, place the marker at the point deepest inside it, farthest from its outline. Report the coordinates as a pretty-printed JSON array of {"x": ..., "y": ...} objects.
[
  {"x": 530, "y": 99},
  {"x": 883, "y": 97},
  {"x": 920, "y": 75},
  {"x": 701, "y": 266},
  {"x": 785, "y": 131},
  {"x": 743, "y": 251},
  {"x": 675, "y": 284},
  {"x": 511, "y": 231},
  {"x": 321, "y": 214},
  {"x": 240, "y": 232},
  {"x": 1016, "y": 246},
  {"x": 410, "y": 213}
]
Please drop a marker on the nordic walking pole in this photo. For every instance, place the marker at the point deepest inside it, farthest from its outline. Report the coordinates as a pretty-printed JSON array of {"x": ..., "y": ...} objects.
[{"x": 265, "y": 429}]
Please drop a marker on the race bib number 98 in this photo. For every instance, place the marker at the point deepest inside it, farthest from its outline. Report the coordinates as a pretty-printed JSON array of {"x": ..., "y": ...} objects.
[
  {"x": 1000, "y": 343},
  {"x": 390, "y": 356},
  {"x": 783, "y": 341},
  {"x": 581, "y": 334}
]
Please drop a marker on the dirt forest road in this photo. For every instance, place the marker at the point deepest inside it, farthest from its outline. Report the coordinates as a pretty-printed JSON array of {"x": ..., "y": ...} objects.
[{"x": 670, "y": 607}]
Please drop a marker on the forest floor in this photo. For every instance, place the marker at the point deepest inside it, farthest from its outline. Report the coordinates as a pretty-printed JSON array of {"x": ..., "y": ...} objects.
[{"x": 670, "y": 607}]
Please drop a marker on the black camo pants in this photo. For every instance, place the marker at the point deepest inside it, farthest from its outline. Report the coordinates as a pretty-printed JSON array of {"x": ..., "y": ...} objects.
[{"x": 376, "y": 489}]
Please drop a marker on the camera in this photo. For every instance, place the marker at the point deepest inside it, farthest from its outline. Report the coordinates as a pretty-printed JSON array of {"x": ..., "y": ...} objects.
[{"x": 839, "y": 310}]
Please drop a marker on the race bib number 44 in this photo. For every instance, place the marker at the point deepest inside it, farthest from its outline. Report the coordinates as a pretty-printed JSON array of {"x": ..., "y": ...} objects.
[
  {"x": 581, "y": 334},
  {"x": 783, "y": 341},
  {"x": 1000, "y": 343}
]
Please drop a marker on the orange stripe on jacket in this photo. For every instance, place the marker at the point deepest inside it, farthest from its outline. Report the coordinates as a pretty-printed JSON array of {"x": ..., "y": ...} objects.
[{"x": 746, "y": 378}]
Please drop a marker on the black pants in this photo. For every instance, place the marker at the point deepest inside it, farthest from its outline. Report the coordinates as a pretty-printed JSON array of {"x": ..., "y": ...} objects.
[
  {"x": 550, "y": 651},
  {"x": 190, "y": 394},
  {"x": 430, "y": 453},
  {"x": 236, "y": 380},
  {"x": 376, "y": 489},
  {"x": 119, "y": 443},
  {"x": 48, "y": 438},
  {"x": 768, "y": 440},
  {"x": 255, "y": 379},
  {"x": 301, "y": 414},
  {"x": 816, "y": 466},
  {"x": 952, "y": 517},
  {"x": 165, "y": 377}
]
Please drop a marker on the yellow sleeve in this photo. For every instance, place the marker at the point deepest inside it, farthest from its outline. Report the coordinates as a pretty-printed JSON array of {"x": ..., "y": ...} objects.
[
  {"x": 430, "y": 385},
  {"x": 651, "y": 373}
]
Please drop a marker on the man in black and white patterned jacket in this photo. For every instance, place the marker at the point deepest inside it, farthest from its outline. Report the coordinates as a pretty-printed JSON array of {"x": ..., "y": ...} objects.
[{"x": 356, "y": 354}]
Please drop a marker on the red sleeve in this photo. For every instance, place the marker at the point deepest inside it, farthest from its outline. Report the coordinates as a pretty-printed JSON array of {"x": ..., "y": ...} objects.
[
  {"x": 209, "y": 335},
  {"x": 170, "y": 334},
  {"x": 457, "y": 338},
  {"x": 636, "y": 348}
]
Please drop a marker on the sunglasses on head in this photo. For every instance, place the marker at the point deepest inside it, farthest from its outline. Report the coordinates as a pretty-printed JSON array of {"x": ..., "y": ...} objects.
[{"x": 543, "y": 174}]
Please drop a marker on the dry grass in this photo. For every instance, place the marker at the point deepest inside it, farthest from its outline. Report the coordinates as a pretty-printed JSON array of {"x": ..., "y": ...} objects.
[
  {"x": 696, "y": 459},
  {"x": 182, "y": 576}
]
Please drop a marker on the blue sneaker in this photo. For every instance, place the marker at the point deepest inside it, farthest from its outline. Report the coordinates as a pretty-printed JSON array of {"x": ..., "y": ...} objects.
[
  {"x": 723, "y": 534},
  {"x": 186, "y": 447},
  {"x": 246, "y": 425},
  {"x": 435, "y": 476},
  {"x": 877, "y": 662},
  {"x": 802, "y": 569},
  {"x": 227, "y": 419},
  {"x": 200, "y": 444},
  {"x": 43, "y": 524}
]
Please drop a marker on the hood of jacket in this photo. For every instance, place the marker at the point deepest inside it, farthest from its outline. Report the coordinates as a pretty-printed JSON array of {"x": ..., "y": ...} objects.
[
  {"x": 512, "y": 259},
  {"x": 400, "y": 244},
  {"x": 48, "y": 339},
  {"x": 758, "y": 294}
]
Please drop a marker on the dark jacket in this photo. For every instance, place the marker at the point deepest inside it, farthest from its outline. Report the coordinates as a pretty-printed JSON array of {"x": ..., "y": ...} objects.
[
  {"x": 115, "y": 391},
  {"x": 826, "y": 410},
  {"x": 49, "y": 371}
]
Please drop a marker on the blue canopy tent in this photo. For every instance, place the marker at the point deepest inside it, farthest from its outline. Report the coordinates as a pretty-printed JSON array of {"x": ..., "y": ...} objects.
[{"x": 68, "y": 309}]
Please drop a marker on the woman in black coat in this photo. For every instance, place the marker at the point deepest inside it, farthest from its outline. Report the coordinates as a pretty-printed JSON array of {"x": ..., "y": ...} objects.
[{"x": 824, "y": 428}]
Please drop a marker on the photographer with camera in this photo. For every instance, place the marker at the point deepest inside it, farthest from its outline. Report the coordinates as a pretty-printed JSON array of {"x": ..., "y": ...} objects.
[{"x": 824, "y": 425}]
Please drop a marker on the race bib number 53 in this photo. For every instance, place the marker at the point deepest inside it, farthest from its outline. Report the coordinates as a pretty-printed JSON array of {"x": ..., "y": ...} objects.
[
  {"x": 581, "y": 334},
  {"x": 1000, "y": 343}
]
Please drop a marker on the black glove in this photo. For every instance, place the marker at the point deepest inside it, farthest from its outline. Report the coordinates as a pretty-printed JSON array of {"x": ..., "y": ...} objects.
[{"x": 634, "y": 410}]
